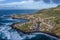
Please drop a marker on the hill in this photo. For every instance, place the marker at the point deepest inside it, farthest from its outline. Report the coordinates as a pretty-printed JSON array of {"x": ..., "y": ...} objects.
[
  {"x": 46, "y": 20},
  {"x": 52, "y": 14}
]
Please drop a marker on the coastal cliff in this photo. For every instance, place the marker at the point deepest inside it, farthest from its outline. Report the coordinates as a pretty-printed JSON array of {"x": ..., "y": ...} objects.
[{"x": 46, "y": 20}]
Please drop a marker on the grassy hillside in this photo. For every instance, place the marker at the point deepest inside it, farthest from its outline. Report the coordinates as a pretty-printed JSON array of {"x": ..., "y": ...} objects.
[
  {"x": 48, "y": 20},
  {"x": 51, "y": 14}
]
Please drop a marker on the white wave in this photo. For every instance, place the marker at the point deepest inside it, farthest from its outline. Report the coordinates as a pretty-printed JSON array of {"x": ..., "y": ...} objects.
[
  {"x": 4, "y": 28},
  {"x": 8, "y": 19},
  {"x": 7, "y": 23},
  {"x": 45, "y": 35},
  {"x": 2, "y": 16},
  {"x": 29, "y": 36},
  {"x": 6, "y": 34},
  {"x": 14, "y": 35},
  {"x": 11, "y": 34}
]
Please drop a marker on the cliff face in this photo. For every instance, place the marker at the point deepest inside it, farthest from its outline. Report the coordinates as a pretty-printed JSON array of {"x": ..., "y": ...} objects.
[
  {"x": 47, "y": 20},
  {"x": 52, "y": 14}
]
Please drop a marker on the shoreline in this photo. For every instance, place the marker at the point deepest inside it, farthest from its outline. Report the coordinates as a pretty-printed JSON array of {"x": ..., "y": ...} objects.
[
  {"x": 51, "y": 34},
  {"x": 43, "y": 21}
]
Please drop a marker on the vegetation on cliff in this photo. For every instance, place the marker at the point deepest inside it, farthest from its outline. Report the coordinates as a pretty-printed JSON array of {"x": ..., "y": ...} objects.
[
  {"x": 52, "y": 14},
  {"x": 49, "y": 18}
]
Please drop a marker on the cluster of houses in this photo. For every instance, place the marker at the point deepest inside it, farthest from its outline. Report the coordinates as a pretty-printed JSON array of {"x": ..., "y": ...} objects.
[{"x": 37, "y": 23}]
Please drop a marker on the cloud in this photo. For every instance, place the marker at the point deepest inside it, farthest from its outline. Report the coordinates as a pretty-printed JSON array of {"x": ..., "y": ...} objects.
[
  {"x": 16, "y": 3},
  {"x": 52, "y": 1},
  {"x": 56, "y": 1},
  {"x": 2, "y": 0},
  {"x": 49, "y": 1},
  {"x": 27, "y": 4},
  {"x": 36, "y": 0}
]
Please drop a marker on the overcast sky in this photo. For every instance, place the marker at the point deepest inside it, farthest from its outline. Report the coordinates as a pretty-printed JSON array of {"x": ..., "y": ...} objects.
[{"x": 28, "y": 4}]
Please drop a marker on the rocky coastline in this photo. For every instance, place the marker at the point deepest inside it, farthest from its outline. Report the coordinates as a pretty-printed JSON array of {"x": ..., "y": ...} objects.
[
  {"x": 38, "y": 22},
  {"x": 18, "y": 30},
  {"x": 52, "y": 34}
]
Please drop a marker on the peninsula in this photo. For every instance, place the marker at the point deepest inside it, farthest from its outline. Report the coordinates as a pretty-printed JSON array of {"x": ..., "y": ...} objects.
[{"x": 46, "y": 20}]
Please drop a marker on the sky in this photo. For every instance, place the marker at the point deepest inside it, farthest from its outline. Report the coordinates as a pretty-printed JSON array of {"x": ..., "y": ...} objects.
[{"x": 28, "y": 4}]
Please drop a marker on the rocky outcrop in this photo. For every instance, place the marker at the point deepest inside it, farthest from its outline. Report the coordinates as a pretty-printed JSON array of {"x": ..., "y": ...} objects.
[{"x": 44, "y": 21}]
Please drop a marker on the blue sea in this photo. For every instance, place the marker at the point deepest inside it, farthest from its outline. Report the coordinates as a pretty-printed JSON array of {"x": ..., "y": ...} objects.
[{"x": 7, "y": 33}]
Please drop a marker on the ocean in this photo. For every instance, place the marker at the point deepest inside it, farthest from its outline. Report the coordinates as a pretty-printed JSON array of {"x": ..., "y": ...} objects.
[
  {"x": 22, "y": 11},
  {"x": 7, "y": 33}
]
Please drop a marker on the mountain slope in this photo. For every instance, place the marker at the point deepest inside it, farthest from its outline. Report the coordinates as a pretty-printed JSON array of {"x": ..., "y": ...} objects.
[{"x": 52, "y": 14}]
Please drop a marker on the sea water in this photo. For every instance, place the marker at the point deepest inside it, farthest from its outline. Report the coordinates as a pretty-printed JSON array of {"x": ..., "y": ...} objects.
[{"x": 7, "y": 33}]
